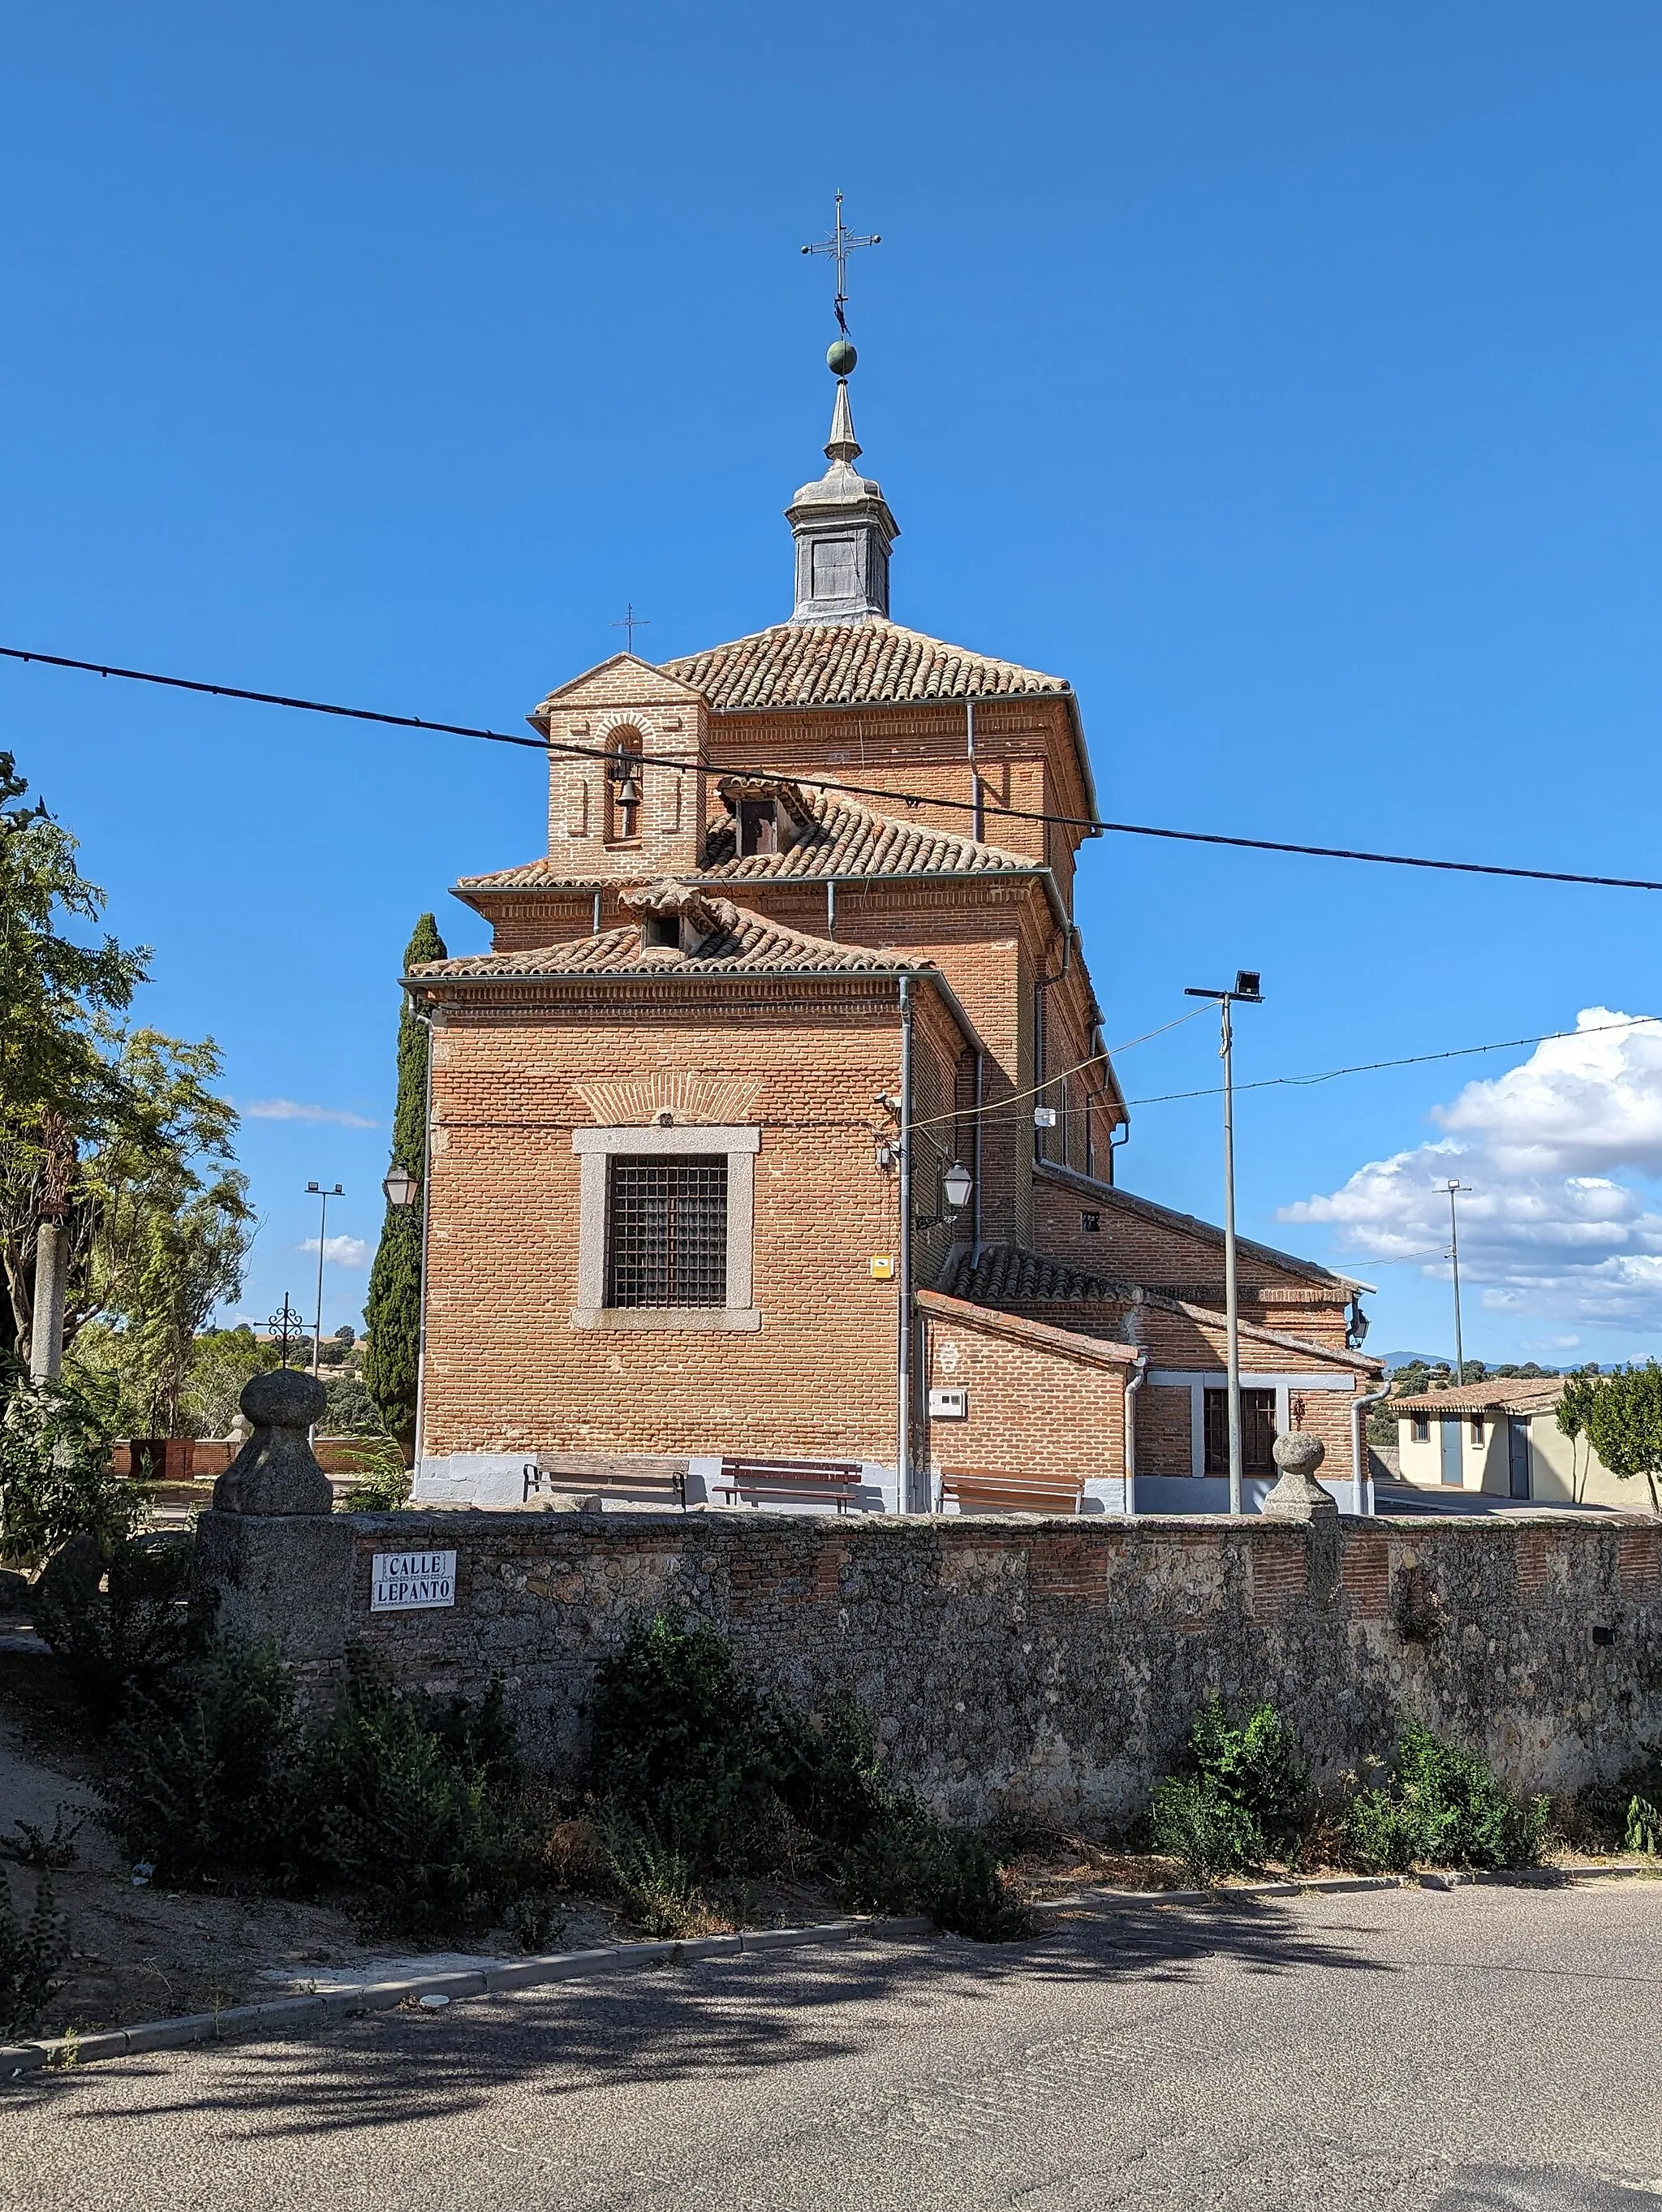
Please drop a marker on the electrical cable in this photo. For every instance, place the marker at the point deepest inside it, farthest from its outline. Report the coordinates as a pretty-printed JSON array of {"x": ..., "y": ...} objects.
[
  {"x": 1096, "y": 1059},
  {"x": 1414, "y": 1059},
  {"x": 1087, "y": 826}
]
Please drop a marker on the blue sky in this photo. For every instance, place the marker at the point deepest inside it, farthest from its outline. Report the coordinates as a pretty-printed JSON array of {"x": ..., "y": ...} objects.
[{"x": 1289, "y": 378}]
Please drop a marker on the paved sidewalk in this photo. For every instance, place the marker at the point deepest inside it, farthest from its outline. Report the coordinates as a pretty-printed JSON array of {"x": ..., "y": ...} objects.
[{"x": 1484, "y": 2048}]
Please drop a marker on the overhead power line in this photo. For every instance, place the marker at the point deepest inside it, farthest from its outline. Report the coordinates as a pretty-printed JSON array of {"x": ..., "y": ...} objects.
[
  {"x": 1414, "y": 1059},
  {"x": 1086, "y": 825}
]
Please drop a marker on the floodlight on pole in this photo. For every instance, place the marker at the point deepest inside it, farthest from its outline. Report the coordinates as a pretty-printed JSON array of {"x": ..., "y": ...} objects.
[
  {"x": 1248, "y": 991},
  {"x": 317, "y": 1190},
  {"x": 1454, "y": 1187}
]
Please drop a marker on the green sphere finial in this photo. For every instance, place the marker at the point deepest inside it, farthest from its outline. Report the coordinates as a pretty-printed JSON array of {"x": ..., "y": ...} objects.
[{"x": 840, "y": 358}]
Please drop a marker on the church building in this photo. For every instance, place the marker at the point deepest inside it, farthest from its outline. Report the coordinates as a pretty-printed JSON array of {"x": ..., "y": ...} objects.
[{"x": 778, "y": 1122}]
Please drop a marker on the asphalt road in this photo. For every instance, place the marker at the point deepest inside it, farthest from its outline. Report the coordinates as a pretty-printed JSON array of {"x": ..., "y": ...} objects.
[{"x": 1487, "y": 2048}]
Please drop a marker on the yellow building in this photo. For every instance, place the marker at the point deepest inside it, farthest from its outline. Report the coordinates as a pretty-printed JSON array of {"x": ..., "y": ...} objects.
[{"x": 1503, "y": 1437}]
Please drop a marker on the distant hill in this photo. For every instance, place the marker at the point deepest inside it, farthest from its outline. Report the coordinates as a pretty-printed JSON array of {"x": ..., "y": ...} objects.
[{"x": 1394, "y": 1360}]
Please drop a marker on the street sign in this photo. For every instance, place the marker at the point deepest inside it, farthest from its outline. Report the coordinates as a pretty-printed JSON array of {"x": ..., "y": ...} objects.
[{"x": 402, "y": 1581}]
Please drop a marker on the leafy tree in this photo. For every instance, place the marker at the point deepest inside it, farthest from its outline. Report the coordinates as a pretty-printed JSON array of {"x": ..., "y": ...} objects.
[
  {"x": 1624, "y": 1423},
  {"x": 54, "y": 1457},
  {"x": 1573, "y": 1413},
  {"x": 393, "y": 1308},
  {"x": 222, "y": 1361}
]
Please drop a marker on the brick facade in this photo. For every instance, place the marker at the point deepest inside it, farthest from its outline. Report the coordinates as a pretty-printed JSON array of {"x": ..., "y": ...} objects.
[{"x": 710, "y": 943}]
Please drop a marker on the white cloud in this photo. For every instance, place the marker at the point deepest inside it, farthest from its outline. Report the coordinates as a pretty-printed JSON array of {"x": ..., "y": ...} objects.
[
  {"x": 1578, "y": 1105},
  {"x": 291, "y": 1109},
  {"x": 341, "y": 1251},
  {"x": 1547, "y": 1229}
]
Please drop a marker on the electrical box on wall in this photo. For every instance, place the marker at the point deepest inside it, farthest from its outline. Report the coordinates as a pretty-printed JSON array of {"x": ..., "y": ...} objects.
[
  {"x": 883, "y": 1267},
  {"x": 949, "y": 1405}
]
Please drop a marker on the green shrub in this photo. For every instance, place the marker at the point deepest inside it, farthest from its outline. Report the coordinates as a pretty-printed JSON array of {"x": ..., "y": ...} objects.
[
  {"x": 1623, "y": 1814},
  {"x": 700, "y": 1780},
  {"x": 125, "y": 1634},
  {"x": 31, "y": 1954},
  {"x": 1443, "y": 1806},
  {"x": 408, "y": 1818},
  {"x": 1190, "y": 1818},
  {"x": 1239, "y": 1792},
  {"x": 218, "y": 1788},
  {"x": 55, "y": 1483}
]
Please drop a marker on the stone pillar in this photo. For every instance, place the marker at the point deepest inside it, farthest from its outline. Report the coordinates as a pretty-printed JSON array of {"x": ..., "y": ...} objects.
[
  {"x": 1298, "y": 1496},
  {"x": 273, "y": 1551},
  {"x": 46, "y": 1337}
]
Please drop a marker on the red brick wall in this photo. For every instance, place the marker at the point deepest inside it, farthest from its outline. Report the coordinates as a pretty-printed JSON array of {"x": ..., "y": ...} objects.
[
  {"x": 507, "y": 1369},
  {"x": 1031, "y": 1410}
]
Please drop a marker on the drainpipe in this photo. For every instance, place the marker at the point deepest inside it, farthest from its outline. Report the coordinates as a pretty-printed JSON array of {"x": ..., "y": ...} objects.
[
  {"x": 980, "y": 1102},
  {"x": 975, "y": 820},
  {"x": 830, "y": 906},
  {"x": 1134, "y": 1383},
  {"x": 904, "y": 1406},
  {"x": 1361, "y": 1483},
  {"x": 426, "y": 1020},
  {"x": 597, "y": 913}
]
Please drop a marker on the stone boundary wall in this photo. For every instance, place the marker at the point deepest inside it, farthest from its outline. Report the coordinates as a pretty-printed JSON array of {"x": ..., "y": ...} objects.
[{"x": 1034, "y": 1669}]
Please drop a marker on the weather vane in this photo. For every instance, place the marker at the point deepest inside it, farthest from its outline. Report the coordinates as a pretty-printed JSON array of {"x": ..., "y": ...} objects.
[{"x": 839, "y": 243}]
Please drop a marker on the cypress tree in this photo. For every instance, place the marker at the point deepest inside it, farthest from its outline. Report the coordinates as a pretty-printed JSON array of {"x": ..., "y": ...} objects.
[{"x": 393, "y": 1308}]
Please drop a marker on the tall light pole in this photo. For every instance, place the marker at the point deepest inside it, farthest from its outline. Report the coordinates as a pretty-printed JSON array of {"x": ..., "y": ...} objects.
[
  {"x": 1454, "y": 1187},
  {"x": 316, "y": 1190},
  {"x": 1247, "y": 993}
]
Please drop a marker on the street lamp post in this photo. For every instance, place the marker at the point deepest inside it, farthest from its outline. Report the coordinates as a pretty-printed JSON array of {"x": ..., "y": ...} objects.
[
  {"x": 1454, "y": 1187},
  {"x": 316, "y": 1190},
  {"x": 1248, "y": 992}
]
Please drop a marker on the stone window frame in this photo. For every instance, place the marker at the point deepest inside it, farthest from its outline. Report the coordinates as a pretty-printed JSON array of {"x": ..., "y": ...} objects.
[
  {"x": 594, "y": 1148},
  {"x": 1198, "y": 1381}
]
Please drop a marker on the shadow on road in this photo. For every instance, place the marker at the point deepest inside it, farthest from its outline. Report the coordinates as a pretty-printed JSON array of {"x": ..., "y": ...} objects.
[
  {"x": 1541, "y": 2189},
  {"x": 720, "y": 2018}
]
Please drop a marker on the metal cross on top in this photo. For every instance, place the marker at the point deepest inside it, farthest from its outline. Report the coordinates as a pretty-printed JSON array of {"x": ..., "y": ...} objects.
[
  {"x": 631, "y": 622},
  {"x": 839, "y": 244}
]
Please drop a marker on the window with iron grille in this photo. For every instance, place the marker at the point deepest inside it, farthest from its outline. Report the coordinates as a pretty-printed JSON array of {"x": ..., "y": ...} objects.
[
  {"x": 1258, "y": 1432},
  {"x": 666, "y": 1241}
]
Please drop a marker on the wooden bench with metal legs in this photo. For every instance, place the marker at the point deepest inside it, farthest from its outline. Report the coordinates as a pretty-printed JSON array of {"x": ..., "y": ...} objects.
[
  {"x": 791, "y": 1481},
  {"x": 647, "y": 1487},
  {"x": 986, "y": 1490}
]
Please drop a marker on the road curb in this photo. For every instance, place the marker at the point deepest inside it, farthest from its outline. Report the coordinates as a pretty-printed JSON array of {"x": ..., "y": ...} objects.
[{"x": 234, "y": 2022}]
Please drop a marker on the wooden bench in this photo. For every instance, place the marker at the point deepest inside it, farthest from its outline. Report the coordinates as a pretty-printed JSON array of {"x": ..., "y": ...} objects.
[
  {"x": 983, "y": 1490},
  {"x": 648, "y": 1486},
  {"x": 791, "y": 1481}
]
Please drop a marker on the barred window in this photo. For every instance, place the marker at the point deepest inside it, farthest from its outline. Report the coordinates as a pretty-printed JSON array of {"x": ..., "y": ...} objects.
[
  {"x": 1258, "y": 1432},
  {"x": 666, "y": 1242}
]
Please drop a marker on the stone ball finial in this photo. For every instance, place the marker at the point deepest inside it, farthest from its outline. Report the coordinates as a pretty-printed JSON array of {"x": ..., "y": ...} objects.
[
  {"x": 275, "y": 1471},
  {"x": 840, "y": 357},
  {"x": 1298, "y": 1496}
]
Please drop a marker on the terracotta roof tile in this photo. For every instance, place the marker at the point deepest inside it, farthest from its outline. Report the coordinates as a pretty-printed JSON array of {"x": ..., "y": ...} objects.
[
  {"x": 742, "y": 944},
  {"x": 1501, "y": 1393},
  {"x": 842, "y": 839},
  {"x": 839, "y": 838},
  {"x": 1005, "y": 1273},
  {"x": 848, "y": 663}
]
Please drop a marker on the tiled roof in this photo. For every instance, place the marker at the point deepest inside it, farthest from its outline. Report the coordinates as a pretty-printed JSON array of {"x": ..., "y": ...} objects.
[
  {"x": 1524, "y": 1394},
  {"x": 1004, "y": 1273},
  {"x": 842, "y": 839},
  {"x": 848, "y": 663},
  {"x": 742, "y": 944},
  {"x": 532, "y": 875}
]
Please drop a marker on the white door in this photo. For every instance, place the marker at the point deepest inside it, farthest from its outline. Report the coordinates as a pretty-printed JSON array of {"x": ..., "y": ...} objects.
[{"x": 1451, "y": 1429}]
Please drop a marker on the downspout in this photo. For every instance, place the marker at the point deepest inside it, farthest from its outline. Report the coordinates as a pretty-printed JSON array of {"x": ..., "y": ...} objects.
[
  {"x": 1361, "y": 1482},
  {"x": 1134, "y": 1383},
  {"x": 904, "y": 1406},
  {"x": 596, "y": 912},
  {"x": 976, "y": 824},
  {"x": 830, "y": 906},
  {"x": 980, "y": 1115},
  {"x": 426, "y": 1020}
]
